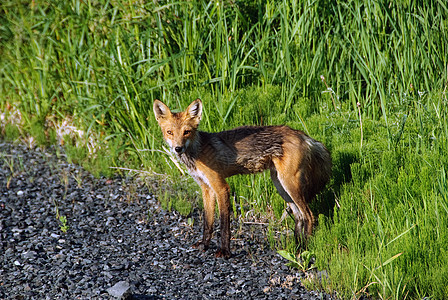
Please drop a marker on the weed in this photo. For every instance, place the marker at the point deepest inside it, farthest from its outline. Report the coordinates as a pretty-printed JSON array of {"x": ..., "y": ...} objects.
[
  {"x": 11, "y": 132},
  {"x": 62, "y": 220},
  {"x": 9, "y": 161},
  {"x": 178, "y": 199},
  {"x": 63, "y": 223},
  {"x": 77, "y": 177},
  {"x": 303, "y": 261}
]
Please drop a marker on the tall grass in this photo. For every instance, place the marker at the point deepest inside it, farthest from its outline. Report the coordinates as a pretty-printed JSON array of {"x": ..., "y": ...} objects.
[{"x": 365, "y": 77}]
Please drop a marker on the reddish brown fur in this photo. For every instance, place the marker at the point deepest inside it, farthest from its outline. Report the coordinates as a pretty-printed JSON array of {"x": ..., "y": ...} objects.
[{"x": 300, "y": 166}]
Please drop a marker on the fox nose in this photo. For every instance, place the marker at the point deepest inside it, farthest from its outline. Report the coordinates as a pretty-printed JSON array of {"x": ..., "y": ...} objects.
[{"x": 178, "y": 149}]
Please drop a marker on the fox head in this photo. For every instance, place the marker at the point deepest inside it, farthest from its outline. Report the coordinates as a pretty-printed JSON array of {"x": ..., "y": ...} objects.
[{"x": 179, "y": 129}]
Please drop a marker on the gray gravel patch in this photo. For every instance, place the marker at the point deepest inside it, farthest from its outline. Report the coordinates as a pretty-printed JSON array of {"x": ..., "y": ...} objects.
[{"x": 118, "y": 242}]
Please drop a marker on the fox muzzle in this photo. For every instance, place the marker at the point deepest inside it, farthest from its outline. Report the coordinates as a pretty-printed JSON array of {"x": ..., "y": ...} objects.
[{"x": 179, "y": 149}]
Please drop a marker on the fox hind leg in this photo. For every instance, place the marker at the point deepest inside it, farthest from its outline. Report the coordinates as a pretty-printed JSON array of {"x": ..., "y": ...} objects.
[
  {"x": 288, "y": 186},
  {"x": 222, "y": 191}
]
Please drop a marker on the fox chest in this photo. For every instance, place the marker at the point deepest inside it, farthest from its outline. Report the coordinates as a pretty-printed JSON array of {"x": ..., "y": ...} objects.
[{"x": 199, "y": 177}]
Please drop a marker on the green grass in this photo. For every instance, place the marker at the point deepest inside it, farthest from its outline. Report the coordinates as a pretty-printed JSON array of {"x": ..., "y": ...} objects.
[
  {"x": 367, "y": 78},
  {"x": 387, "y": 238}
]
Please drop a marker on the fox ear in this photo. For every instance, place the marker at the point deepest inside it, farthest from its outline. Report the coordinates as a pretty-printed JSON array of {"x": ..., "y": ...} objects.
[
  {"x": 160, "y": 110},
  {"x": 194, "y": 110}
]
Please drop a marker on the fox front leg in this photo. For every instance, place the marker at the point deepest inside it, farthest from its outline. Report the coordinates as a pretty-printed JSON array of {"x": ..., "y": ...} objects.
[
  {"x": 208, "y": 197},
  {"x": 219, "y": 191}
]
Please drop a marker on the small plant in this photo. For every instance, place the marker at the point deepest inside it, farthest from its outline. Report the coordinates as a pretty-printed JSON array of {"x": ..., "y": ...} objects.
[
  {"x": 10, "y": 163},
  {"x": 183, "y": 206},
  {"x": 179, "y": 203},
  {"x": 166, "y": 201},
  {"x": 303, "y": 261},
  {"x": 61, "y": 219},
  {"x": 330, "y": 91},
  {"x": 11, "y": 132},
  {"x": 65, "y": 181},
  {"x": 78, "y": 179}
]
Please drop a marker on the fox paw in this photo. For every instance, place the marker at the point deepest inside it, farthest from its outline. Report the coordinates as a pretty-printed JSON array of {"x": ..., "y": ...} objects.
[{"x": 223, "y": 253}]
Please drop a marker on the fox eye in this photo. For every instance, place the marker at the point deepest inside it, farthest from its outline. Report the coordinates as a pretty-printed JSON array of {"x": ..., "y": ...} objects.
[
  {"x": 169, "y": 132},
  {"x": 186, "y": 132}
]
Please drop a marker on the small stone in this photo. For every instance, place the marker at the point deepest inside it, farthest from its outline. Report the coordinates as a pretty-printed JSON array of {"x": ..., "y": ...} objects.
[
  {"x": 9, "y": 252},
  {"x": 266, "y": 289},
  {"x": 120, "y": 290},
  {"x": 29, "y": 255},
  {"x": 208, "y": 277}
]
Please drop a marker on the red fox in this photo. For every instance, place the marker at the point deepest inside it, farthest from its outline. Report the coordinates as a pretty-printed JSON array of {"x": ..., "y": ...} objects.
[{"x": 300, "y": 166}]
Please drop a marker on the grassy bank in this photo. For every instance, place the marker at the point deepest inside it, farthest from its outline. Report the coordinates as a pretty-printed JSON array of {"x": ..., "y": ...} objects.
[{"x": 367, "y": 78}]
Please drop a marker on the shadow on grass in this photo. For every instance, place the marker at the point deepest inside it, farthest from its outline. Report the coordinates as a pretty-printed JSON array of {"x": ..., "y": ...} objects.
[{"x": 341, "y": 175}]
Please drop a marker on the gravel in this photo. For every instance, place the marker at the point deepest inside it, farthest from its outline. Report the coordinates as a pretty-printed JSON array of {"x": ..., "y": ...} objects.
[{"x": 116, "y": 241}]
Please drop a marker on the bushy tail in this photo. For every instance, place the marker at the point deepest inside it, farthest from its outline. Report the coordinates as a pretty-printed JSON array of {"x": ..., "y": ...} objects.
[{"x": 319, "y": 170}]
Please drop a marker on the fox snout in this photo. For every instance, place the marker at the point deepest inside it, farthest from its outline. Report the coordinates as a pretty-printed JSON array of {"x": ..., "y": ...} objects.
[{"x": 179, "y": 149}]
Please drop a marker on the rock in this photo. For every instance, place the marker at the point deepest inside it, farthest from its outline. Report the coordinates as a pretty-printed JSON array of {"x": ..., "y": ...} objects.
[
  {"x": 29, "y": 255},
  {"x": 120, "y": 290}
]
